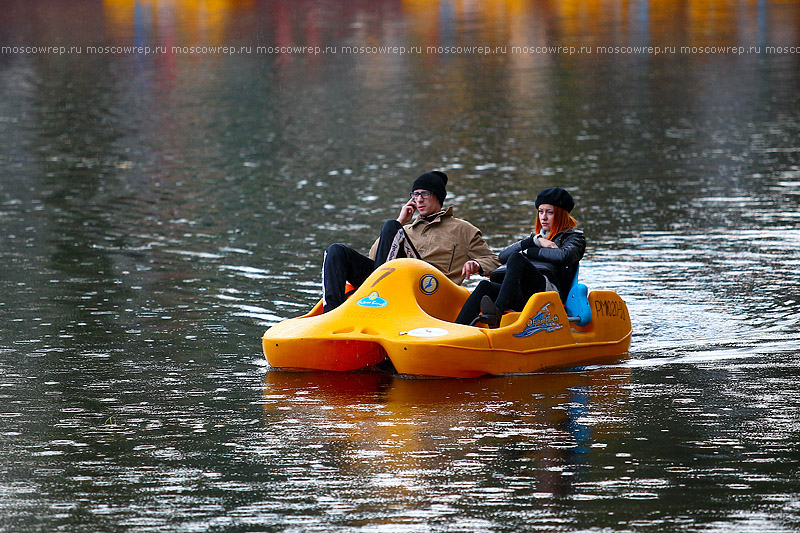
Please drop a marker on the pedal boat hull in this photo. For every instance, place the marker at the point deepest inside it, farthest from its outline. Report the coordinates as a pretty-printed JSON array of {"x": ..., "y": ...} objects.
[{"x": 405, "y": 311}]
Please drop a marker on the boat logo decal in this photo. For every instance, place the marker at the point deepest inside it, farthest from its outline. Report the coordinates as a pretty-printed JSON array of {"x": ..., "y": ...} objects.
[
  {"x": 428, "y": 284},
  {"x": 425, "y": 332},
  {"x": 541, "y": 321},
  {"x": 386, "y": 271},
  {"x": 373, "y": 299}
]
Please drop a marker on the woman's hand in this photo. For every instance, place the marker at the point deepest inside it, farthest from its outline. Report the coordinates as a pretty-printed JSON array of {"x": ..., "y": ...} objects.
[
  {"x": 470, "y": 267},
  {"x": 407, "y": 212},
  {"x": 546, "y": 243}
]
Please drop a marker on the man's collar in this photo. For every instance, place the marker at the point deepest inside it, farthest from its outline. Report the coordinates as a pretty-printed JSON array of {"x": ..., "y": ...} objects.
[{"x": 437, "y": 215}]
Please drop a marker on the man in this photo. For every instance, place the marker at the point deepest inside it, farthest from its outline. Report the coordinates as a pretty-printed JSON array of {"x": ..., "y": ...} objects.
[{"x": 450, "y": 244}]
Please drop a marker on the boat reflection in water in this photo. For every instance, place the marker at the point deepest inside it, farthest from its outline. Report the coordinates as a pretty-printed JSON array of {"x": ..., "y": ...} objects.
[{"x": 527, "y": 434}]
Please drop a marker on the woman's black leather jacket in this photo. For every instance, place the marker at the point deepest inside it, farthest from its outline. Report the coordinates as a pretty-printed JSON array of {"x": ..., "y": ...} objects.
[{"x": 558, "y": 264}]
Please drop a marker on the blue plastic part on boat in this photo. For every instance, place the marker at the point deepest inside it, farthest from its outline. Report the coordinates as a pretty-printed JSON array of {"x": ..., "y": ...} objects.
[{"x": 577, "y": 304}]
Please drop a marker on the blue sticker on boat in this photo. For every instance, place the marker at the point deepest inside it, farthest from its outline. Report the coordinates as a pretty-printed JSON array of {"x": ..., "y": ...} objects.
[
  {"x": 428, "y": 284},
  {"x": 541, "y": 321},
  {"x": 373, "y": 299}
]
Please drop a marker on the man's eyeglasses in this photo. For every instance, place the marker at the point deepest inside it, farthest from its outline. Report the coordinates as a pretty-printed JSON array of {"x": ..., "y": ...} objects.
[{"x": 421, "y": 194}]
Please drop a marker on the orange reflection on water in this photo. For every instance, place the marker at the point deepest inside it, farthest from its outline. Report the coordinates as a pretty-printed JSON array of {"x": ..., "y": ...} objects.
[
  {"x": 203, "y": 22},
  {"x": 401, "y": 430},
  {"x": 606, "y": 22},
  {"x": 456, "y": 22}
]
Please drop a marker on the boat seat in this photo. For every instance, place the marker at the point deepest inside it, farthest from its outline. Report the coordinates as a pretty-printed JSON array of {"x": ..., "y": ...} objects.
[
  {"x": 577, "y": 304},
  {"x": 509, "y": 318}
]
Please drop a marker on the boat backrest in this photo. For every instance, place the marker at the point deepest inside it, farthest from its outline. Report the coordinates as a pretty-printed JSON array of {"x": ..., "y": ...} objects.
[{"x": 577, "y": 304}]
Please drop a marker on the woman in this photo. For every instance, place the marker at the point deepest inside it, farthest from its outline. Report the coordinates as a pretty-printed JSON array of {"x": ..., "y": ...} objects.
[{"x": 545, "y": 261}]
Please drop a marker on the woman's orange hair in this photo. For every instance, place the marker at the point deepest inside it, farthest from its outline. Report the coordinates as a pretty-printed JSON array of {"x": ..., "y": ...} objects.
[{"x": 561, "y": 221}]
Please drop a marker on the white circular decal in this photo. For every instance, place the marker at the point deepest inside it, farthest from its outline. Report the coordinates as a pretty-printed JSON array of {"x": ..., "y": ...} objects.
[{"x": 427, "y": 332}]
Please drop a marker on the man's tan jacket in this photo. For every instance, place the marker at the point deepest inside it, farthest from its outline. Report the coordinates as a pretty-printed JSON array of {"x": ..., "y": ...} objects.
[{"x": 447, "y": 243}]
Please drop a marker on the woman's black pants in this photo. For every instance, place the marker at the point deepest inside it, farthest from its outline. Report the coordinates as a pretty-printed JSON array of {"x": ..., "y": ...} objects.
[{"x": 521, "y": 281}]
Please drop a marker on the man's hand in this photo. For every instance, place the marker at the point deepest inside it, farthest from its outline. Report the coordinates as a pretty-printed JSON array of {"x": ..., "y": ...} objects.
[
  {"x": 470, "y": 267},
  {"x": 407, "y": 212}
]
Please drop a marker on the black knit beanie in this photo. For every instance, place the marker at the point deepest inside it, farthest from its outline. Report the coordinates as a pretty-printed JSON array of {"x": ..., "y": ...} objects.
[
  {"x": 556, "y": 196},
  {"x": 434, "y": 181}
]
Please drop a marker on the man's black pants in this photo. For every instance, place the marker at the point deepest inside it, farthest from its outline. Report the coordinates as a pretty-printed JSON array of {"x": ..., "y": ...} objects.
[{"x": 342, "y": 264}]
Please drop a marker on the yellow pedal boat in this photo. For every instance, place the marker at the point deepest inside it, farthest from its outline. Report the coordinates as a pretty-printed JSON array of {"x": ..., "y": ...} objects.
[{"x": 405, "y": 311}]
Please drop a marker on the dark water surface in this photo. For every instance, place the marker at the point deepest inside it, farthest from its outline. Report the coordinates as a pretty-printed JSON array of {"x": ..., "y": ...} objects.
[{"x": 159, "y": 211}]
